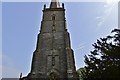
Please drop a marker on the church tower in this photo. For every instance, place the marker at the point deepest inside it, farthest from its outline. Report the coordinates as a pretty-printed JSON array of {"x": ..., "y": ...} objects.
[{"x": 53, "y": 58}]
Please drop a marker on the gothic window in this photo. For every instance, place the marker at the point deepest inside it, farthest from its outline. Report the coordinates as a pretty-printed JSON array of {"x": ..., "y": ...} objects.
[
  {"x": 53, "y": 76},
  {"x": 53, "y": 17},
  {"x": 53, "y": 60}
]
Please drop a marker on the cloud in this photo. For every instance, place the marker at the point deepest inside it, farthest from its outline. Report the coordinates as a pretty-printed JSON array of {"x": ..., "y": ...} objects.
[
  {"x": 0, "y": 72},
  {"x": 108, "y": 9},
  {"x": 9, "y": 70},
  {"x": 0, "y": 65},
  {"x": 81, "y": 46},
  {"x": 49, "y": 0}
]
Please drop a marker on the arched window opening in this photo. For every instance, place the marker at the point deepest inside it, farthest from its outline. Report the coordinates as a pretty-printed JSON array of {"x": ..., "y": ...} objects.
[
  {"x": 53, "y": 76},
  {"x": 53, "y": 17}
]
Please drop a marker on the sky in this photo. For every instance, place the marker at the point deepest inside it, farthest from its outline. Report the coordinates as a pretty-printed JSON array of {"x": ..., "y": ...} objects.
[{"x": 86, "y": 22}]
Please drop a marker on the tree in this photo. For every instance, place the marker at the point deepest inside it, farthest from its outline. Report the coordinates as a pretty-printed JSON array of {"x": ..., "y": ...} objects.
[
  {"x": 104, "y": 61},
  {"x": 81, "y": 73}
]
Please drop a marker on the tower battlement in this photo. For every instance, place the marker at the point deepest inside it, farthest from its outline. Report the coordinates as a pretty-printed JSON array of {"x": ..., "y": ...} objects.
[{"x": 53, "y": 58}]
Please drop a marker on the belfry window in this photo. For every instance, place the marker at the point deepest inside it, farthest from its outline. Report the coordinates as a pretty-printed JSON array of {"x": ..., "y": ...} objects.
[{"x": 53, "y": 17}]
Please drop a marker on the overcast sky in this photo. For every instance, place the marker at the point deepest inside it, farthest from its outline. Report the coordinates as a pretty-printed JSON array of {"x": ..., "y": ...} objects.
[{"x": 86, "y": 22}]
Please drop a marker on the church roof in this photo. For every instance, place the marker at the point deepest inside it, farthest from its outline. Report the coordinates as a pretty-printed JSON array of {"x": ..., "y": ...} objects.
[{"x": 54, "y": 4}]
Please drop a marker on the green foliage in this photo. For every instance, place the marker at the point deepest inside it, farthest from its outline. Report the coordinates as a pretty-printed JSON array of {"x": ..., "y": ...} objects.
[
  {"x": 104, "y": 61},
  {"x": 81, "y": 73}
]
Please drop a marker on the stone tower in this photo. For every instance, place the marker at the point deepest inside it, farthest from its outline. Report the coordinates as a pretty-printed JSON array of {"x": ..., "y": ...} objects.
[{"x": 53, "y": 58}]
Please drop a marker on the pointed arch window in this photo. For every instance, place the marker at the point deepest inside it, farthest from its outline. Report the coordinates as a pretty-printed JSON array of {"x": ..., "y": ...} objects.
[
  {"x": 53, "y": 76},
  {"x": 53, "y": 17}
]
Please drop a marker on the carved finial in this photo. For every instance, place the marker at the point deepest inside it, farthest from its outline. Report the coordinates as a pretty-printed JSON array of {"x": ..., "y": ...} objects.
[
  {"x": 44, "y": 6},
  {"x": 63, "y": 5},
  {"x": 21, "y": 75}
]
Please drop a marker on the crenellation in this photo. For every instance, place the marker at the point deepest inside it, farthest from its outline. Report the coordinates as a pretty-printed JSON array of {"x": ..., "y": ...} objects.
[{"x": 53, "y": 57}]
